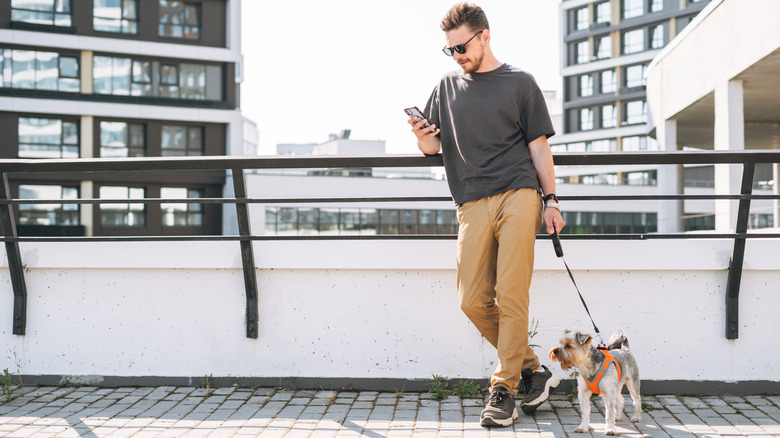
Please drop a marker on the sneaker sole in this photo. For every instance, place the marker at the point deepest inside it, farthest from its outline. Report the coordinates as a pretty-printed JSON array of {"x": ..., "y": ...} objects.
[
  {"x": 530, "y": 407},
  {"x": 493, "y": 422}
]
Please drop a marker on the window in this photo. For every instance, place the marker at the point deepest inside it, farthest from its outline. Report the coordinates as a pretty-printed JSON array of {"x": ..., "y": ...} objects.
[
  {"x": 120, "y": 16},
  {"x": 122, "y": 214},
  {"x": 603, "y": 12},
  {"x": 48, "y": 12},
  {"x": 633, "y": 8},
  {"x": 48, "y": 138},
  {"x": 656, "y": 5},
  {"x": 119, "y": 139},
  {"x": 193, "y": 81},
  {"x": 586, "y": 85},
  {"x": 181, "y": 214},
  {"x": 608, "y": 116},
  {"x": 633, "y": 41},
  {"x": 635, "y": 76},
  {"x": 602, "y": 146},
  {"x": 583, "y": 18},
  {"x": 586, "y": 119},
  {"x": 639, "y": 143},
  {"x": 179, "y": 141},
  {"x": 608, "y": 81},
  {"x": 179, "y": 20},
  {"x": 583, "y": 52},
  {"x": 604, "y": 47},
  {"x": 657, "y": 40},
  {"x": 636, "y": 112},
  {"x": 39, "y": 70},
  {"x": 122, "y": 76},
  {"x": 48, "y": 214}
]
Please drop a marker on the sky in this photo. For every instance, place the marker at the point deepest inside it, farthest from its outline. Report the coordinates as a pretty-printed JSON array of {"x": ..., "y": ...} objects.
[{"x": 314, "y": 67}]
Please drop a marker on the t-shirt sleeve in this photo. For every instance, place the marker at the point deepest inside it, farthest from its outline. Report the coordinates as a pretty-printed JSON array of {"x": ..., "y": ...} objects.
[
  {"x": 535, "y": 116},
  {"x": 431, "y": 110}
]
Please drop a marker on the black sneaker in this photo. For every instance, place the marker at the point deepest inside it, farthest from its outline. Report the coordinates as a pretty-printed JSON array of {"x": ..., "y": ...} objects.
[
  {"x": 500, "y": 409},
  {"x": 537, "y": 387}
]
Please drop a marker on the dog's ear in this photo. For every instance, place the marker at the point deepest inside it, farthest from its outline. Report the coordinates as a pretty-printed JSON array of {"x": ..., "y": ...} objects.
[{"x": 583, "y": 338}]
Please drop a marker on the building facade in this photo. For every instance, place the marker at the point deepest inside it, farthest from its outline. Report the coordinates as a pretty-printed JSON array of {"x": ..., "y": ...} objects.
[
  {"x": 114, "y": 79},
  {"x": 606, "y": 46}
]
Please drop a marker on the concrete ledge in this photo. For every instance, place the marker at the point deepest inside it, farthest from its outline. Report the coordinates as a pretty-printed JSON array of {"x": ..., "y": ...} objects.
[{"x": 648, "y": 387}]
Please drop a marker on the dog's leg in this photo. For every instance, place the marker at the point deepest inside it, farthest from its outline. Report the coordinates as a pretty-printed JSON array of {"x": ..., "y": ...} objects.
[
  {"x": 610, "y": 405},
  {"x": 620, "y": 403},
  {"x": 633, "y": 389},
  {"x": 583, "y": 395}
]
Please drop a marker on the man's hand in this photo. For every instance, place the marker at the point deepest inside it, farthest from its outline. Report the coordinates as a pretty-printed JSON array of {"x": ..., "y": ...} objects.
[
  {"x": 427, "y": 141},
  {"x": 552, "y": 217}
]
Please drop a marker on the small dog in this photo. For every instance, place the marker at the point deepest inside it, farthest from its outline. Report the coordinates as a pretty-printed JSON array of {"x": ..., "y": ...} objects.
[{"x": 576, "y": 351}]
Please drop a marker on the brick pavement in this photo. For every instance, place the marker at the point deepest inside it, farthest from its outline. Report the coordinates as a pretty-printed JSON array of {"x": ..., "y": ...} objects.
[{"x": 266, "y": 412}]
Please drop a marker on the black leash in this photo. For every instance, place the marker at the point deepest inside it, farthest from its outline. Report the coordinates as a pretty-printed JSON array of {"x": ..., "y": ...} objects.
[{"x": 556, "y": 240}]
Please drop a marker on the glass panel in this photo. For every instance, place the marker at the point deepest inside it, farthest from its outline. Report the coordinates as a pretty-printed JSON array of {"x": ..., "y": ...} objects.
[
  {"x": 120, "y": 82},
  {"x": 608, "y": 116},
  {"x": 40, "y": 138},
  {"x": 287, "y": 221},
  {"x": 583, "y": 18},
  {"x": 634, "y": 41},
  {"x": 47, "y": 70},
  {"x": 193, "y": 81},
  {"x": 603, "y": 12},
  {"x": 307, "y": 221},
  {"x": 368, "y": 221},
  {"x": 34, "y": 5},
  {"x": 101, "y": 72},
  {"x": 635, "y": 76},
  {"x": 69, "y": 67},
  {"x": 349, "y": 221},
  {"x": 633, "y": 8},
  {"x": 583, "y": 52},
  {"x": 604, "y": 47},
  {"x": 194, "y": 141},
  {"x": 608, "y": 84},
  {"x": 173, "y": 214},
  {"x": 658, "y": 37},
  {"x": 113, "y": 139},
  {"x": 329, "y": 221},
  {"x": 23, "y": 73},
  {"x": 388, "y": 221},
  {"x": 586, "y": 85},
  {"x": 586, "y": 119}
]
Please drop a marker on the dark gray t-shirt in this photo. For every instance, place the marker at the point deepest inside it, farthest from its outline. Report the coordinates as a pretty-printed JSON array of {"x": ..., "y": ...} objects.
[{"x": 487, "y": 120}]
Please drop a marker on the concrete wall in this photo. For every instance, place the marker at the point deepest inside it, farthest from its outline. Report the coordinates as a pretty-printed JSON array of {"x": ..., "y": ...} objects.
[{"x": 372, "y": 310}]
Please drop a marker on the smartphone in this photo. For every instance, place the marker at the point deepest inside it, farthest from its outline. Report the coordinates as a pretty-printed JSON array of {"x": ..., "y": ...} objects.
[{"x": 417, "y": 114}]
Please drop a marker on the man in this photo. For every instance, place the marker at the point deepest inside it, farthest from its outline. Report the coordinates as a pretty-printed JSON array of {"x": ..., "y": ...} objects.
[{"x": 491, "y": 124}]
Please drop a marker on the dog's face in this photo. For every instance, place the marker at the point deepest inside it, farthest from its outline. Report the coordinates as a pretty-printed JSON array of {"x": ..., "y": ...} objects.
[{"x": 574, "y": 349}]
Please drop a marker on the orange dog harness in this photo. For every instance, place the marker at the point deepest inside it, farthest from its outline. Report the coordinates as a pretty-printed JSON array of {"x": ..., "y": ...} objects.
[{"x": 594, "y": 384}]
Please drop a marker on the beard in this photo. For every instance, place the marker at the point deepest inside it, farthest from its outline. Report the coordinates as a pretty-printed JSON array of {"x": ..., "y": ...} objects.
[{"x": 474, "y": 64}]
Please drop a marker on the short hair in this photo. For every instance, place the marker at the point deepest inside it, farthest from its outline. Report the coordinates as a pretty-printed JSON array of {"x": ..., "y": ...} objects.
[{"x": 465, "y": 13}]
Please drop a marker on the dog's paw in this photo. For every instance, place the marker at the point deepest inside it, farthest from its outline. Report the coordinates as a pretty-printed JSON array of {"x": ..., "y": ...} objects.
[
  {"x": 582, "y": 428},
  {"x": 636, "y": 418},
  {"x": 611, "y": 432}
]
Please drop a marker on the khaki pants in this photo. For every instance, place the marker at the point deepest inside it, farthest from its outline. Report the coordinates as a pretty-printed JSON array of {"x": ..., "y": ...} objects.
[{"x": 495, "y": 264}]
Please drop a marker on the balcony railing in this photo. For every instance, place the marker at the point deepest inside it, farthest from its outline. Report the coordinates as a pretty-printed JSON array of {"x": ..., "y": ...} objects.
[{"x": 237, "y": 167}]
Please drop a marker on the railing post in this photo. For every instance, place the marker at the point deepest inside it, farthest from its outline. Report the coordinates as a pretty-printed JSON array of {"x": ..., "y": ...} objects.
[
  {"x": 738, "y": 257},
  {"x": 15, "y": 268},
  {"x": 247, "y": 254}
]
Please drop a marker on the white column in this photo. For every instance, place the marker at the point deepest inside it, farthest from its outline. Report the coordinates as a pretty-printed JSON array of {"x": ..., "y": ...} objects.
[
  {"x": 670, "y": 181},
  {"x": 729, "y": 135}
]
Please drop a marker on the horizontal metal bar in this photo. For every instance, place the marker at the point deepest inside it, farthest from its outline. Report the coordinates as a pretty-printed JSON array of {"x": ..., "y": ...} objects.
[
  {"x": 226, "y": 200},
  {"x": 672, "y": 236},
  {"x": 338, "y": 161}
]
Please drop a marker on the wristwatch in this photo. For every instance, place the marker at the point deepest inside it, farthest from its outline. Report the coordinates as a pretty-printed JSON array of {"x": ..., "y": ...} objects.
[{"x": 550, "y": 200}]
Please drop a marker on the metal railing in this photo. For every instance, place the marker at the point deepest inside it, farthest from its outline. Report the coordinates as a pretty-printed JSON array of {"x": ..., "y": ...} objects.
[{"x": 237, "y": 166}]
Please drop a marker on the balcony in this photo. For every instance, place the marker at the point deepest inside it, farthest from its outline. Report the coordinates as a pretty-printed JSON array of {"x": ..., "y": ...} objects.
[{"x": 376, "y": 312}]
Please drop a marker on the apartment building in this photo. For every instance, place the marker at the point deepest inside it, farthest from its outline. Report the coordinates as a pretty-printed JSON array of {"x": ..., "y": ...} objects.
[
  {"x": 114, "y": 79},
  {"x": 606, "y": 46}
]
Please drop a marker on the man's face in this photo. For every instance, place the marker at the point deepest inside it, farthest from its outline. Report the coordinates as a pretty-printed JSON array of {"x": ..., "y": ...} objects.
[{"x": 470, "y": 61}]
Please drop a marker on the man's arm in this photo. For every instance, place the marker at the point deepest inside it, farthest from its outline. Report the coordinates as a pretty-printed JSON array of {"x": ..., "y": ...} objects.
[
  {"x": 427, "y": 141},
  {"x": 541, "y": 156}
]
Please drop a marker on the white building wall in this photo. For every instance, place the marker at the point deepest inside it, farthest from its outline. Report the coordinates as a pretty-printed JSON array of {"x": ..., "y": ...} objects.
[{"x": 373, "y": 309}]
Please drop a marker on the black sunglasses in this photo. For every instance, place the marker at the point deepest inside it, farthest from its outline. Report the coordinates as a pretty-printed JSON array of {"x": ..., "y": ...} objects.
[{"x": 460, "y": 48}]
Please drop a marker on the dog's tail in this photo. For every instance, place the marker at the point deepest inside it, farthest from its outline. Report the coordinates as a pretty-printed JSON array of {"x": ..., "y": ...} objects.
[{"x": 618, "y": 341}]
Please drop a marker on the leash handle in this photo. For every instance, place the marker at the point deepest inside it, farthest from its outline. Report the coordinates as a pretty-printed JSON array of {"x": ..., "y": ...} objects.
[{"x": 556, "y": 241}]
